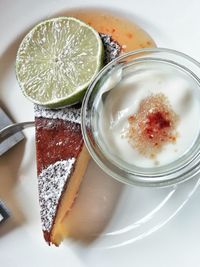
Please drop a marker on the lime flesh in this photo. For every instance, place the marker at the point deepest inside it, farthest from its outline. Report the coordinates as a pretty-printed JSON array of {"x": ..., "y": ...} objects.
[{"x": 57, "y": 60}]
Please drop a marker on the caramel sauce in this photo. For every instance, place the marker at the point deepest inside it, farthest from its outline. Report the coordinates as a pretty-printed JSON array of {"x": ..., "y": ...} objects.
[{"x": 125, "y": 31}]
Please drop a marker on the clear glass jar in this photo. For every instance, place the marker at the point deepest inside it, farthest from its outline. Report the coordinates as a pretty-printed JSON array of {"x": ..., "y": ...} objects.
[{"x": 182, "y": 168}]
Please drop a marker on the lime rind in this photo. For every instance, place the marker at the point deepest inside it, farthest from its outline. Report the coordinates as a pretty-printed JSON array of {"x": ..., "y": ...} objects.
[{"x": 34, "y": 57}]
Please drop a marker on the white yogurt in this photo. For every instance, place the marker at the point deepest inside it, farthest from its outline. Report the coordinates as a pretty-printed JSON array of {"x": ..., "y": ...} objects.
[{"x": 123, "y": 98}]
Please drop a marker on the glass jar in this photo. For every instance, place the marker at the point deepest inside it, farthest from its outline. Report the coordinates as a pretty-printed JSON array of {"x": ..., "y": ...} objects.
[{"x": 141, "y": 63}]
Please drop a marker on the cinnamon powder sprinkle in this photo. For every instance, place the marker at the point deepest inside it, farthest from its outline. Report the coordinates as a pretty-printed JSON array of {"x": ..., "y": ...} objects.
[{"x": 153, "y": 126}]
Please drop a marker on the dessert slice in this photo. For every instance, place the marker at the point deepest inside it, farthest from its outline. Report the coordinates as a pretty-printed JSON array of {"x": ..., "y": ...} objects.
[{"x": 62, "y": 159}]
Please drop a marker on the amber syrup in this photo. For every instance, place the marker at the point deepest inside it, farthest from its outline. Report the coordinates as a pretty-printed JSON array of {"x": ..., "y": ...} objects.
[{"x": 129, "y": 35}]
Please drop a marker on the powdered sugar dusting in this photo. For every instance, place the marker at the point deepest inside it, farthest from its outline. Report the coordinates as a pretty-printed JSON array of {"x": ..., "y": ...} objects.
[
  {"x": 51, "y": 183},
  {"x": 112, "y": 48},
  {"x": 68, "y": 113}
]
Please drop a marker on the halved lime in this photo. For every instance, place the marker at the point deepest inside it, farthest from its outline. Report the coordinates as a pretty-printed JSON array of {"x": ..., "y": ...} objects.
[{"x": 57, "y": 60}]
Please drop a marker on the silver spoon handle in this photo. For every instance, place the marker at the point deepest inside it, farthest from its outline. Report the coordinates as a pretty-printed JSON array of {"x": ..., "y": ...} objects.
[{"x": 14, "y": 128}]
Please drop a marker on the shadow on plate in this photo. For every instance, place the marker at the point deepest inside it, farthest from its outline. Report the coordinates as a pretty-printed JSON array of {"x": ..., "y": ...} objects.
[
  {"x": 11, "y": 160},
  {"x": 94, "y": 206},
  {"x": 9, "y": 166}
]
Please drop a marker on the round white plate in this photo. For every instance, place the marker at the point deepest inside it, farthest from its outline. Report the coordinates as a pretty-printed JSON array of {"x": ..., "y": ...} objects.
[{"x": 115, "y": 225}]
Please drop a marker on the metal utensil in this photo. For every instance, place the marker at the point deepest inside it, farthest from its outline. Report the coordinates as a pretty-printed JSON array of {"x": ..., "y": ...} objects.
[
  {"x": 14, "y": 129},
  {"x": 4, "y": 212},
  {"x": 8, "y": 141}
]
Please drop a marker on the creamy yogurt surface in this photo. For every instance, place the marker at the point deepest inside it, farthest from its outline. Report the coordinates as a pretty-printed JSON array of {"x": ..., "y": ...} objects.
[{"x": 122, "y": 98}]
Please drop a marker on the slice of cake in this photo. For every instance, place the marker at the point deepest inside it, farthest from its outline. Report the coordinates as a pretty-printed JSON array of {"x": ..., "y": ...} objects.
[{"x": 62, "y": 159}]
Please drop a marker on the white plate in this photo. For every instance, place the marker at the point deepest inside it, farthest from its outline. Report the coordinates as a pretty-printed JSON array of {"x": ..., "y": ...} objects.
[{"x": 136, "y": 226}]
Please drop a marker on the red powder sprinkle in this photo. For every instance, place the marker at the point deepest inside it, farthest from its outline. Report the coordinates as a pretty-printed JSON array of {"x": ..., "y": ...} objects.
[
  {"x": 153, "y": 126},
  {"x": 156, "y": 123},
  {"x": 129, "y": 35}
]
